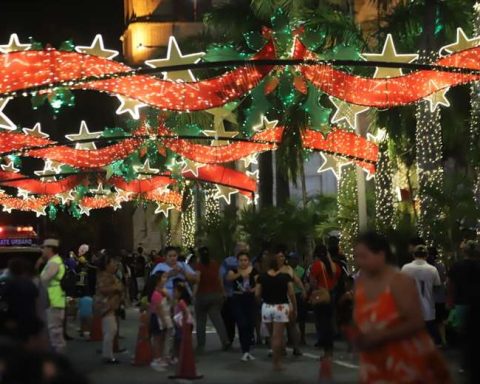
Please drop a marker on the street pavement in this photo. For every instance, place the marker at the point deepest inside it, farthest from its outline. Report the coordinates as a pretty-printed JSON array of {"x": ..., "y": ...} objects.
[{"x": 217, "y": 367}]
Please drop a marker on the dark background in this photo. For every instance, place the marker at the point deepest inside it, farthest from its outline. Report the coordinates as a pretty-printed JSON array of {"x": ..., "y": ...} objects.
[{"x": 53, "y": 22}]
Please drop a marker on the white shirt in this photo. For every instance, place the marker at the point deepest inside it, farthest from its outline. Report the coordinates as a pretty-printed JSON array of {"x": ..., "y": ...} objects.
[{"x": 426, "y": 277}]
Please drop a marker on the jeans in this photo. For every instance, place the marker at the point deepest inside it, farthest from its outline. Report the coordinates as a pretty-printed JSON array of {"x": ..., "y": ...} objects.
[
  {"x": 324, "y": 325},
  {"x": 55, "y": 318},
  {"x": 228, "y": 319},
  {"x": 109, "y": 327},
  {"x": 209, "y": 304},
  {"x": 244, "y": 308}
]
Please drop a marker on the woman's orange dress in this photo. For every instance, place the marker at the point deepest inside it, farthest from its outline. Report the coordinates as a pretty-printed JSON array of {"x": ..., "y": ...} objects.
[{"x": 413, "y": 360}]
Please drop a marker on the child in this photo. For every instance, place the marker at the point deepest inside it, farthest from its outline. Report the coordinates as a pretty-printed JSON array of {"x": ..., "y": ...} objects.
[
  {"x": 160, "y": 321},
  {"x": 85, "y": 313},
  {"x": 182, "y": 313}
]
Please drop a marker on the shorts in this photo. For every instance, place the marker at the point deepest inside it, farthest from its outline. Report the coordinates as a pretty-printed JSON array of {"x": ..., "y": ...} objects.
[
  {"x": 275, "y": 313},
  {"x": 155, "y": 325}
]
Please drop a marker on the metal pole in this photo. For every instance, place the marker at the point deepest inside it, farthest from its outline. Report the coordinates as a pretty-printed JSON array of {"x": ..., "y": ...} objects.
[{"x": 361, "y": 186}]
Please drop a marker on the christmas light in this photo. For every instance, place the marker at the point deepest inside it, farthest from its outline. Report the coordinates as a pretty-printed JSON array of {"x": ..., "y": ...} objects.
[
  {"x": 36, "y": 131},
  {"x": 129, "y": 106},
  {"x": 175, "y": 57},
  {"x": 348, "y": 210},
  {"x": 330, "y": 163},
  {"x": 389, "y": 54},
  {"x": 97, "y": 48},
  {"x": 5, "y": 122},
  {"x": 84, "y": 134},
  {"x": 347, "y": 112},
  {"x": 14, "y": 45},
  {"x": 189, "y": 221}
]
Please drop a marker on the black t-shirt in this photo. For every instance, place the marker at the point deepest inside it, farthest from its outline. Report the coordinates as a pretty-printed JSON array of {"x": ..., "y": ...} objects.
[
  {"x": 274, "y": 288},
  {"x": 242, "y": 285},
  {"x": 465, "y": 276}
]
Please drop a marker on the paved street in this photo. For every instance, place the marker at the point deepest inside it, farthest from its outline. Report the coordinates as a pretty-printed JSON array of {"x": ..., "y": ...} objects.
[{"x": 217, "y": 367}]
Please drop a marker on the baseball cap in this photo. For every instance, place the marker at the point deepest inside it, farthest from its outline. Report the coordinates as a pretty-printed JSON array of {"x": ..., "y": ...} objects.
[{"x": 50, "y": 243}]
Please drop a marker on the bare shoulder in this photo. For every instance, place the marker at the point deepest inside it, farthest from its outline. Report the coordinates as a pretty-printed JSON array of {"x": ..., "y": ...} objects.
[{"x": 401, "y": 281}]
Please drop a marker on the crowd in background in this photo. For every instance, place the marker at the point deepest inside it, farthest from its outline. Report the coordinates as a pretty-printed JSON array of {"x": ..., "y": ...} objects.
[{"x": 266, "y": 298}]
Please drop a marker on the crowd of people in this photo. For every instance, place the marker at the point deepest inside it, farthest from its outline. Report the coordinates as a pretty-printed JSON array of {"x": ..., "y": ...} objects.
[{"x": 395, "y": 317}]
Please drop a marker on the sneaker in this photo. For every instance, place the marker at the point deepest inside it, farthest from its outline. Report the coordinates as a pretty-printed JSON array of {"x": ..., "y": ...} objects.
[
  {"x": 251, "y": 357},
  {"x": 245, "y": 357},
  {"x": 157, "y": 366}
]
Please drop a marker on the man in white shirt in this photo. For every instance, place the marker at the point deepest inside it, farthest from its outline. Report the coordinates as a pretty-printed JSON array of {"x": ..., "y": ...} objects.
[{"x": 427, "y": 279}]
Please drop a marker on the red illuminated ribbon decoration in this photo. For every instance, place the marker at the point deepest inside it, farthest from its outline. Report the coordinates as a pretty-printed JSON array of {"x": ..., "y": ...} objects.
[{"x": 29, "y": 69}]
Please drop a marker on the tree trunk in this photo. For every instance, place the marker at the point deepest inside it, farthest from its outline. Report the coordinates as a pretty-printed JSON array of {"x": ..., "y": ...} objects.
[
  {"x": 282, "y": 185},
  {"x": 265, "y": 185}
]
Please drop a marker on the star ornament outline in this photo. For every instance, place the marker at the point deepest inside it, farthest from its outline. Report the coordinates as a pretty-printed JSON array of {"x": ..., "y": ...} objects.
[
  {"x": 65, "y": 197},
  {"x": 130, "y": 106},
  {"x": 189, "y": 166},
  {"x": 389, "y": 54},
  {"x": 145, "y": 171},
  {"x": 14, "y": 45},
  {"x": 40, "y": 211},
  {"x": 437, "y": 98},
  {"x": 461, "y": 43},
  {"x": 97, "y": 48},
  {"x": 163, "y": 208},
  {"x": 84, "y": 210},
  {"x": 176, "y": 57},
  {"x": 36, "y": 131},
  {"x": 346, "y": 111},
  {"x": 224, "y": 193},
  {"x": 331, "y": 163},
  {"x": 5, "y": 122},
  {"x": 48, "y": 172},
  {"x": 84, "y": 134},
  {"x": 10, "y": 167},
  {"x": 265, "y": 124}
]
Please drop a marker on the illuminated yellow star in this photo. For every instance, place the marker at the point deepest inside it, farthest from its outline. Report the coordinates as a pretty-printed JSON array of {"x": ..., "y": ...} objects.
[
  {"x": 389, "y": 54},
  {"x": 36, "y": 131},
  {"x": 437, "y": 98},
  {"x": 14, "y": 45},
  {"x": 163, "y": 208},
  {"x": 65, "y": 197},
  {"x": 346, "y": 111},
  {"x": 145, "y": 171},
  {"x": 219, "y": 116},
  {"x": 5, "y": 122},
  {"x": 130, "y": 106},
  {"x": 189, "y": 166},
  {"x": 97, "y": 49},
  {"x": 225, "y": 193},
  {"x": 462, "y": 43},
  {"x": 84, "y": 134},
  {"x": 331, "y": 163},
  {"x": 10, "y": 167},
  {"x": 175, "y": 57}
]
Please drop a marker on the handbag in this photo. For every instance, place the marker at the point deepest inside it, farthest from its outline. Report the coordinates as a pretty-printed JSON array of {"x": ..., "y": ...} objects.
[{"x": 321, "y": 295}]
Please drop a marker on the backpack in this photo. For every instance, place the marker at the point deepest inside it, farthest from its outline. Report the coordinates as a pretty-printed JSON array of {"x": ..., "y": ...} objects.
[{"x": 68, "y": 283}]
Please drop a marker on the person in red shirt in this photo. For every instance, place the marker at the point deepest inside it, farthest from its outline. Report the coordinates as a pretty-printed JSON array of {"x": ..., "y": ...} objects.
[
  {"x": 324, "y": 274},
  {"x": 209, "y": 299}
]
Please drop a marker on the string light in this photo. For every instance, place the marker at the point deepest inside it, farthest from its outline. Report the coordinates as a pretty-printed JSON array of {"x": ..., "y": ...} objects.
[
  {"x": 384, "y": 197},
  {"x": 189, "y": 221},
  {"x": 348, "y": 210},
  {"x": 475, "y": 111}
]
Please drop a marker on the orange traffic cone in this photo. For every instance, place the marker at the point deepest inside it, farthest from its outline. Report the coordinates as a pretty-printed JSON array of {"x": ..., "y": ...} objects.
[
  {"x": 186, "y": 365},
  {"x": 325, "y": 374},
  {"x": 96, "y": 332},
  {"x": 143, "y": 350}
]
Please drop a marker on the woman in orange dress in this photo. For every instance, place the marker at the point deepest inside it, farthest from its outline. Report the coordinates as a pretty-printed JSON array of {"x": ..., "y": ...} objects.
[{"x": 394, "y": 345}]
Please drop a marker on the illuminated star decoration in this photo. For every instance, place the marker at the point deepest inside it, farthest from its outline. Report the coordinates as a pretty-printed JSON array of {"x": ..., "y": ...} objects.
[
  {"x": 251, "y": 201},
  {"x": 219, "y": 116},
  {"x": 462, "y": 43},
  {"x": 7, "y": 209},
  {"x": 65, "y": 197},
  {"x": 145, "y": 171},
  {"x": 36, "y": 131},
  {"x": 191, "y": 166},
  {"x": 48, "y": 173},
  {"x": 163, "y": 208},
  {"x": 122, "y": 195},
  {"x": 84, "y": 134},
  {"x": 437, "y": 98},
  {"x": 265, "y": 124},
  {"x": 251, "y": 159},
  {"x": 389, "y": 54},
  {"x": 100, "y": 191},
  {"x": 97, "y": 49},
  {"x": 84, "y": 210},
  {"x": 129, "y": 106},
  {"x": 346, "y": 111},
  {"x": 5, "y": 122},
  {"x": 254, "y": 175},
  {"x": 224, "y": 193},
  {"x": 40, "y": 211},
  {"x": 380, "y": 136},
  {"x": 10, "y": 167},
  {"x": 175, "y": 57},
  {"x": 331, "y": 163},
  {"x": 23, "y": 193},
  {"x": 14, "y": 45}
]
